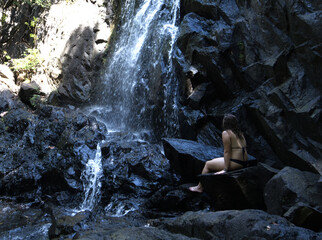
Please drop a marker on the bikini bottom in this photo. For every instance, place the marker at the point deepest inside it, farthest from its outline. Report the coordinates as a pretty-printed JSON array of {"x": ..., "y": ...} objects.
[{"x": 248, "y": 163}]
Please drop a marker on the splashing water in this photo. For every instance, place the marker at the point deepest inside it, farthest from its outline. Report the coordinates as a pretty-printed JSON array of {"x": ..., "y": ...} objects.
[
  {"x": 139, "y": 90},
  {"x": 91, "y": 181}
]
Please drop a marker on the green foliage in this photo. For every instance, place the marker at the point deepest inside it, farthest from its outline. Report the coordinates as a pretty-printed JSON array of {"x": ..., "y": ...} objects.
[
  {"x": 32, "y": 28},
  {"x": 35, "y": 100},
  {"x": 3, "y": 18},
  {"x": 29, "y": 62},
  {"x": 6, "y": 55},
  {"x": 41, "y": 3}
]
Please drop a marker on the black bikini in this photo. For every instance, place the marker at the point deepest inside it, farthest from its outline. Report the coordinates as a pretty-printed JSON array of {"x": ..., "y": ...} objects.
[{"x": 244, "y": 163}]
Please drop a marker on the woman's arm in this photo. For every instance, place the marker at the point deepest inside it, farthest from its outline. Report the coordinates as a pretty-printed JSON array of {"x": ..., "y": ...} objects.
[{"x": 227, "y": 149}]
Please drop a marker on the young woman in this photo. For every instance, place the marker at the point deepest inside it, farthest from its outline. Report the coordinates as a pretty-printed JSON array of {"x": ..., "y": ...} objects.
[{"x": 235, "y": 154}]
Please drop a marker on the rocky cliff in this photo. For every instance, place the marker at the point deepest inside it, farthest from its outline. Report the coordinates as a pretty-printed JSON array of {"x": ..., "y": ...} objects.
[
  {"x": 259, "y": 60},
  {"x": 69, "y": 35}
]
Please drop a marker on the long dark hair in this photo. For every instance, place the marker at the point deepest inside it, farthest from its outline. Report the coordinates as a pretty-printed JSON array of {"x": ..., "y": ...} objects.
[{"x": 230, "y": 122}]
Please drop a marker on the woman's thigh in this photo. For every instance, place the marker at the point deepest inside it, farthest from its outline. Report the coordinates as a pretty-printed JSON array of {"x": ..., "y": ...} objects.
[{"x": 216, "y": 164}]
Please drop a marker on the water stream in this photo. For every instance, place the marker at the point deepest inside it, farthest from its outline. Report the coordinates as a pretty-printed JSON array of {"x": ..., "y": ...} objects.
[
  {"x": 138, "y": 92},
  {"x": 91, "y": 181}
]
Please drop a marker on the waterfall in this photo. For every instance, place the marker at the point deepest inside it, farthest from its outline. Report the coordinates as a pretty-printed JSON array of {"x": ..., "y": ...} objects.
[
  {"x": 91, "y": 181},
  {"x": 138, "y": 91}
]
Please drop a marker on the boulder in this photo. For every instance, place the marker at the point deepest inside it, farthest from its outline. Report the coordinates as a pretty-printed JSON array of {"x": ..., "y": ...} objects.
[
  {"x": 74, "y": 36},
  {"x": 291, "y": 186},
  {"x": 7, "y": 79},
  {"x": 172, "y": 199},
  {"x": 238, "y": 189},
  {"x": 305, "y": 216},
  {"x": 29, "y": 92},
  {"x": 189, "y": 122},
  {"x": 265, "y": 173},
  {"x": 8, "y": 88},
  {"x": 132, "y": 169},
  {"x": 188, "y": 157},
  {"x": 234, "y": 224},
  {"x": 66, "y": 225}
]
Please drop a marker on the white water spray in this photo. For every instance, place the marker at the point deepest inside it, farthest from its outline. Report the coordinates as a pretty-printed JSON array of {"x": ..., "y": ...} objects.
[
  {"x": 91, "y": 181},
  {"x": 139, "y": 90}
]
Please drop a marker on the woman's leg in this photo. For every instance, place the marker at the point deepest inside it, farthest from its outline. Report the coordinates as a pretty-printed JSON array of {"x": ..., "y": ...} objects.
[{"x": 214, "y": 165}]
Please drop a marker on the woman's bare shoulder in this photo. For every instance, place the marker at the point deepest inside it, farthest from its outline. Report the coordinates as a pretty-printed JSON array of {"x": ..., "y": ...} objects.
[{"x": 225, "y": 133}]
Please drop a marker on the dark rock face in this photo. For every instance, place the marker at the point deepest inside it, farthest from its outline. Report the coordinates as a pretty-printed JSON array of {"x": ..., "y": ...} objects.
[
  {"x": 172, "y": 199},
  {"x": 258, "y": 60},
  {"x": 303, "y": 215},
  {"x": 235, "y": 190},
  {"x": 29, "y": 93},
  {"x": 76, "y": 56},
  {"x": 38, "y": 150},
  {"x": 76, "y": 69},
  {"x": 291, "y": 186},
  {"x": 133, "y": 171},
  {"x": 188, "y": 157},
  {"x": 234, "y": 224},
  {"x": 22, "y": 221}
]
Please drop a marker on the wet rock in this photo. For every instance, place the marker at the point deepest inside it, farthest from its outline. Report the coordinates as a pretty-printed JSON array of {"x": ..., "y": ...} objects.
[
  {"x": 136, "y": 233},
  {"x": 177, "y": 199},
  {"x": 189, "y": 122},
  {"x": 305, "y": 216},
  {"x": 40, "y": 149},
  {"x": 238, "y": 189},
  {"x": 291, "y": 186},
  {"x": 188, "y": 157},
  {"x": 22, "y": 221},
  {"x": 234, "y": 224},
  {"x": 67, "y": 225},
  {"x": 132, "y": 169},
  {"x": 202, "y": 8}
]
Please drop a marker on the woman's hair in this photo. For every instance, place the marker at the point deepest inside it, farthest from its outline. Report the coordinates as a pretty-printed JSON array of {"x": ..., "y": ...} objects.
[{"x": 230, "y": 122}]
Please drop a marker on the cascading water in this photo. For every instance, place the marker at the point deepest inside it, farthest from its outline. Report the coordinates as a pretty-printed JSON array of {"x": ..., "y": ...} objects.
[
  {"x": 91, "y": 181},
  {"x": 138, "y": 91}
]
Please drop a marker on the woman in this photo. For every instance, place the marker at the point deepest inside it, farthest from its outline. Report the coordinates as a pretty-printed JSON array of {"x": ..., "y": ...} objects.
[{"x": 235, "y": 154}]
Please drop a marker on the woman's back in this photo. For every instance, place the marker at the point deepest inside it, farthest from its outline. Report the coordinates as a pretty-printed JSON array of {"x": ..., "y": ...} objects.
[{"x": 238, "y": 147}]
